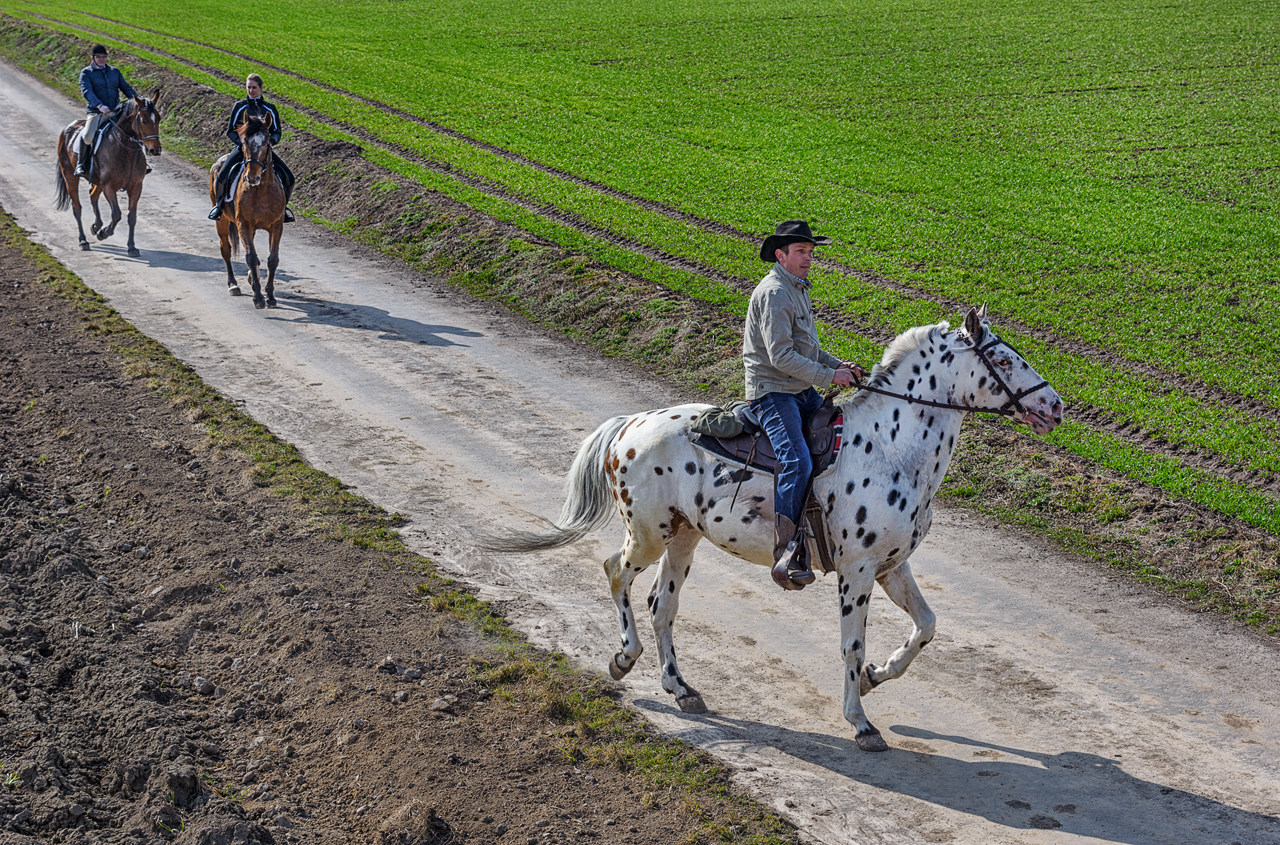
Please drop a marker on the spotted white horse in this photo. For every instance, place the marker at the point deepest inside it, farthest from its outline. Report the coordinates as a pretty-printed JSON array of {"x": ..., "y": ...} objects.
[{"x": 900, "y": 434}]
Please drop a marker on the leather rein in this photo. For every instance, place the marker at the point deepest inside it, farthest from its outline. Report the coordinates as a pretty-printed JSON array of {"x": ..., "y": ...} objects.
[{"x": 1011, "y": 407}]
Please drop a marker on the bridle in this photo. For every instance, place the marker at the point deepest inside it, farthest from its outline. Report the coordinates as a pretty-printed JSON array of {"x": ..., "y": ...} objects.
[
  {"x": 130, "y": 133},
  {"x": 1013, "y": 405}
]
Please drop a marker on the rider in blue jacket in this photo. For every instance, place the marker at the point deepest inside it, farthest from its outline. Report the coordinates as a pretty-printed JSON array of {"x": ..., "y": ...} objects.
[
  {"x": 100, "y": 83},
  {"x": 254, "y": 104}
]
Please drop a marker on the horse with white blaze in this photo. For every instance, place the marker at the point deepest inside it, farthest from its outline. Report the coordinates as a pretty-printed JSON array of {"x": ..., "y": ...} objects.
[{"x": 900, "y": 433}]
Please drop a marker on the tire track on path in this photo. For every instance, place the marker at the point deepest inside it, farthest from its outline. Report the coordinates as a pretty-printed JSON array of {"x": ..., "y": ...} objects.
[{"x": 1096, "y": 417}]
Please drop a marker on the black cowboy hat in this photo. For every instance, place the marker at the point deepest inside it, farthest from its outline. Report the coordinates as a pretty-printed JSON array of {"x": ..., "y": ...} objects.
[
  {"x": 99, "y": 50},
  {"x": 788, "y": 232}
]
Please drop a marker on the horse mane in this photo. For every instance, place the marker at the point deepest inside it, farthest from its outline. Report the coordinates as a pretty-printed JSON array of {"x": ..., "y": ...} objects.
[
  {"x": 253, "y": 125},
  {"x": 898, "y": 349}
]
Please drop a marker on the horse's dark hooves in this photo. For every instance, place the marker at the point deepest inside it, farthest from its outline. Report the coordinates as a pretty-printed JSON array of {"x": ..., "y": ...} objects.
[
  {"x": 103, "y": 234},
  {"x": 259, "y": 304},
  {"x": 616, "y": 669},
  {"x": 94, "y": 227},
  {"x": 872, "y": 741},
  {"x": 133, "y": 253},
  {"x": 84, "y": 245},
  {"x": 691, "y": 703},
  {"x": 234, "y": 290},
  {"x": 865, "y": 684},
  {"x": 271, "y": 303}
]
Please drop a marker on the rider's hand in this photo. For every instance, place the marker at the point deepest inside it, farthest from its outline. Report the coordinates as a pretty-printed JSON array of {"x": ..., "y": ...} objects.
[
  {"x": 843, "y": 377},
  {"x": 104, "y": 109},
  {"x": 859, "y": 373}
]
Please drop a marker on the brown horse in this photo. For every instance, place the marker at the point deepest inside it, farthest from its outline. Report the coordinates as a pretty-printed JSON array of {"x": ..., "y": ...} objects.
[
  {"x": 118, "y": 165},
  {"x": 258, "y": 204}
]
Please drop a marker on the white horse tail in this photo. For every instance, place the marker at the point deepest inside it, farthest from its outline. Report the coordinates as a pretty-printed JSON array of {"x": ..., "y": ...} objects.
[{"x": 588, "y": 499}]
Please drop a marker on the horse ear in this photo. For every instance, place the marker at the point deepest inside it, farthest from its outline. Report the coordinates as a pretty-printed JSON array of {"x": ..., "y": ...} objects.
[
  {"x": 973, "y": 324},
  {"x": 155, "y": 96}
]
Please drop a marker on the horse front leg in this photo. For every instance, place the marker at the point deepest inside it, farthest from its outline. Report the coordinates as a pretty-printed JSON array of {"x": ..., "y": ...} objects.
[
  {"x": 664, "y": 602},
  {"x": 855, "y": 598},
  {"x": 901, "y": 587},
  {"x": 251, "y": 261},
  {"x": 135, "y": 193},
  {"x": 273, "y": 261},
  {"x": 95, "y": 228},
  {"x": 116, "y": 214}
]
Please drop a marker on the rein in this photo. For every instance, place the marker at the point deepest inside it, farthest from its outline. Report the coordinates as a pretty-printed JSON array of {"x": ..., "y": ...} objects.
[{"x": 1015, "y": 399}]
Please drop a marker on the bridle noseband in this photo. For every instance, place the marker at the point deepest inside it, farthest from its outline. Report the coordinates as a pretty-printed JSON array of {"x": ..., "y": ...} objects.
[{"x": 1012, "y": 406}]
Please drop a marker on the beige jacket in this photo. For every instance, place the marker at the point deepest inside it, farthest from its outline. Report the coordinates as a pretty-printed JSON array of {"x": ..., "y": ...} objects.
[{"x": 780, "y": 344}]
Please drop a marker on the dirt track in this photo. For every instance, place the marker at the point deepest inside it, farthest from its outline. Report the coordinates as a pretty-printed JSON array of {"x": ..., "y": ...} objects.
[{"x": 1054, "y": 705}]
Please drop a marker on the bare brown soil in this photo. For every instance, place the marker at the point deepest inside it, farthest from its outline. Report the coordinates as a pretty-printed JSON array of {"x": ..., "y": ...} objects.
[{"x": 184, "y": 657}]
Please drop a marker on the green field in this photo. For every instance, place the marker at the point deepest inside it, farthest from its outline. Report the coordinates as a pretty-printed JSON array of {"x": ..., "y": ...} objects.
[{"x": 1103, "y": 175}]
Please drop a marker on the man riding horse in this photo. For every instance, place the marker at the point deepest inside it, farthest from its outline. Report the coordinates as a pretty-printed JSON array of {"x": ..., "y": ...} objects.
[
  {"x": 783, "y": 363},
  {"x": 100, "y": 83},
  {"x": 253, "y": 105}
]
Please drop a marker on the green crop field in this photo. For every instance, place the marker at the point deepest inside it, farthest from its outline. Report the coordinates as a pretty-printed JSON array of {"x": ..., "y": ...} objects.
[{"x": 1102, "y": 174}]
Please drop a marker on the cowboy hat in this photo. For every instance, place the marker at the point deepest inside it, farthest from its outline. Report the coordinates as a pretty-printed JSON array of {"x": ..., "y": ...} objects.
[{"x": 788, "y": 232}]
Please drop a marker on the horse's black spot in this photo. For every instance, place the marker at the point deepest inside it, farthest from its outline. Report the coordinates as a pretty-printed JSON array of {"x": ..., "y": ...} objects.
[
  {"x": 862, "y": 600},
  {"x": 893, "y": 435},
  {"x": 691, "y": 468},
  {"x": 911, "y": 384},
  {"x": 861, "y": 515},
  {"x": 877, "y": 426},
  {"x": 662, "y": 525},
  {"x": 748, "y": 519},
  {"x": 893, "y": 497},
  {"x": 896, "y": 476},
  {"x": 651, "y": 599},
  {"x": 848, "y": 488},
  {"x": 861, "y": 531},
  {"x": 902, "y": 506},
  {"x": 869, "y": 540},
  {"x": 924, "y": 643},
  {"x": 844, "y": 535},
  {"x": 626, "y": 601},
  {"x": 733, "y": 539},
  {"x": 658, "y": 470},
  {"x": 866, "y": 481},
  {"x": 671, "y": 668},
  {"x": 698, "y": 498},
  {"x": 894, "y": 552},
  {"x": 933, "y": 382},
  {"x": 924, "y": 435},
  {"x": 895, "y": 414},
  {"x": 671, "y": 586},
  {"x": 915, "y": 368},
  {"x": 857, "y": 644},
  {"x": 718, "y": 519},
  {"x": 857, "y": 440},
  {"x": 846, "y": 609},
  {"x": 868, "y": 449},
  {"x": 930, "y": 423},
  {"x": 913, "y": 514},
  {"x": 927, "y": 365},
  {"x": 982, "y": 382}
]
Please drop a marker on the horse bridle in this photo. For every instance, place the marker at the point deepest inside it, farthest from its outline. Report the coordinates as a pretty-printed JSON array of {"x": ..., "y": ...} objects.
[
  {"x": 138, "y": 141},
  {"x": 1012, "y": 406}
]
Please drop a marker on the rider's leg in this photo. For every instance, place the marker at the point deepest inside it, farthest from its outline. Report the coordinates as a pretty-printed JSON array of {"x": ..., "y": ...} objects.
[
  {"x": 85, "y": 139},
  {"x": 286, "y": 181},
  {"x": 220, "y": 181},
  {"x": 780, "y": 414}
]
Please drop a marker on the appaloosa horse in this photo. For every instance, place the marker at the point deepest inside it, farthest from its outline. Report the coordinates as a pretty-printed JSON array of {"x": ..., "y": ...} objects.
[
  {"x": 899, "y": 436},
  {"x": 258, "y": 204},
  {"x": 118, "y": 164}
]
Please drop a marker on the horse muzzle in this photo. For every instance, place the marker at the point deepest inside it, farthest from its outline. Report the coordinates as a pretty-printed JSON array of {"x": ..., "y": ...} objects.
[{"x": 1043, "y": 422}]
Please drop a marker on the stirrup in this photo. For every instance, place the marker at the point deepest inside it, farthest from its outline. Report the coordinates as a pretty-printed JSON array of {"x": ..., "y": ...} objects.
[
  {"x": 288, "y": 216},
  {"x": 790, "y": 573}
]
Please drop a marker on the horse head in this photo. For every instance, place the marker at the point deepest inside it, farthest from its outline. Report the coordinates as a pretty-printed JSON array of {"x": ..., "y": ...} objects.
[
  {"x": 144, "y": 121},
  {"x": 255, "y": 143},
  {"x": 1003, "y": 381}
]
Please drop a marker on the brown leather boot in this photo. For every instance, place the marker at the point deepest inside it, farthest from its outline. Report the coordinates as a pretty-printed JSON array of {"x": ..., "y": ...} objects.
[{"x": 790, "y": 572}]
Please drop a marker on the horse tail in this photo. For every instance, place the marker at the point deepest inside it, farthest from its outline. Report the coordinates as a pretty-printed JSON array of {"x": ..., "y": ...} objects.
[
  {"x": 61, "y": 198},
  {"x": 588, "y": 500}
]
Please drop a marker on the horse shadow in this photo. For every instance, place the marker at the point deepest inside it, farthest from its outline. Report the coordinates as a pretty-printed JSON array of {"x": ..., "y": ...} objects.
[
  {"x": 354, "y": 316},
  {"x": 183, "y": 261},
  {"x": 1072, "y": 792}
]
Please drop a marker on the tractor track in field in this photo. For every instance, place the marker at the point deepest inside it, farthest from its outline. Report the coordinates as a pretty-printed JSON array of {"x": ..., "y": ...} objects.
[{"x": 1094, "y": 416}]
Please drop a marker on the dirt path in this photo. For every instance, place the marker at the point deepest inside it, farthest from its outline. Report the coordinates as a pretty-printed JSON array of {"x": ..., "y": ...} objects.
[{"x": 1054, "y": 704}]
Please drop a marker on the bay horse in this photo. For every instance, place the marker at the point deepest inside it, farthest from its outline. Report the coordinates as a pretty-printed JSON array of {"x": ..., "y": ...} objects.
[
  {"x": 899, "y": 436},
  {"x": 258, "y": 204},
  {"x": 119, "y": 164}
]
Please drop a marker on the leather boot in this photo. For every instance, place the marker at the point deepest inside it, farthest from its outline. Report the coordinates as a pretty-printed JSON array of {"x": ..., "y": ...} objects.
[
  {"x": 82, "y": 161},
  {"x": 790, "y": 571}
]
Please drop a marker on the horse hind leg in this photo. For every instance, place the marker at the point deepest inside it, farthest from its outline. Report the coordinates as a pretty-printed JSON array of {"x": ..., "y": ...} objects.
[
  {"x": 664, "y": 602},
  {"x": 855, "y": 597},
  {"x": 621, "y": 569},
  {"x": 902, "y": 589},
  {"x": 273, "y": 261}
]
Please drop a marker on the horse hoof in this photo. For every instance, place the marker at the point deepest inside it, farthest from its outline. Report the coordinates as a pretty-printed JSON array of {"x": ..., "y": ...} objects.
[
  {"x": 872, "y": 741},
  {"x": 94, "y": 227},
  {"x": 259, "y": 304},
  {"x": 103, "y": 234},
  {"x": 271, "y": 303},
  {"x": 691, "y": 703},
  {"x": 616, "y": 670},
  {"x": 84, "y": 245},
  {"x": 234, "y": 290},
  {"x": 133, "y": 253},
  {"x": 865, "y": 684}
]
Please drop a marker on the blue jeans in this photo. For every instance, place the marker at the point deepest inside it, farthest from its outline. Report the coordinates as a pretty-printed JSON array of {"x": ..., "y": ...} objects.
[{"x": 783, "y": 415}]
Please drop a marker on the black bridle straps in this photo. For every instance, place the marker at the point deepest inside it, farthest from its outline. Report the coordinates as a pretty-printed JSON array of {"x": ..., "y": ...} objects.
[{"x": 1015, "y": 399}]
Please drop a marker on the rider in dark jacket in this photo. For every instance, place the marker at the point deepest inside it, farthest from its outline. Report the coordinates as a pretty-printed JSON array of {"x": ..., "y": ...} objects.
[
  {"x": 99, "y": 83},
  {"x": 257, "y": 106}
]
